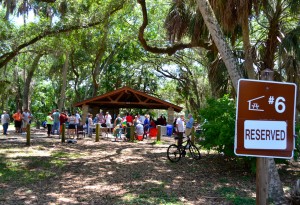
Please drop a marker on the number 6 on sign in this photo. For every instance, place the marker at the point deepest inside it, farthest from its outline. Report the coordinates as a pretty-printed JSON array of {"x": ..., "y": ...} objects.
[{"x": 279, "y": 104}]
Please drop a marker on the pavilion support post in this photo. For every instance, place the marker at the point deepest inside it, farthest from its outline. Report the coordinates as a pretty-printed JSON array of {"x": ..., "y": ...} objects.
[
  {"x": 28, "y": 135},
  {"x": 97, "y": 132},
  {"x": 85, "y": 110},
  {"x": 158, "y": 138},
  {"x": 131, "y": 133},
  {"x": 63, "y": 133},
  {"x": 170, "y": 116}
]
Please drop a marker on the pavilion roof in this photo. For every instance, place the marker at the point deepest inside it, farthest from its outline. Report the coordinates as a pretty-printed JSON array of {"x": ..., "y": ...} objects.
[{"x": 127, "y": 97}]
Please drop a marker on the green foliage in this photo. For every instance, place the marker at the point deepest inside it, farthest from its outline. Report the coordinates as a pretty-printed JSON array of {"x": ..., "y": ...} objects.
[
  {"x": 297, "y": 143},
  {"x": 218, "y": 130}
]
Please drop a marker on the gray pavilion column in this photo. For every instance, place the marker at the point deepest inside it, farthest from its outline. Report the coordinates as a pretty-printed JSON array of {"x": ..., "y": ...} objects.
[{"x": 170, "y": 119}]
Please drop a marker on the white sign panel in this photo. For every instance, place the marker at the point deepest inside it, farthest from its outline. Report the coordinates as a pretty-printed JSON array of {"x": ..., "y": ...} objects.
[{"x": 270, "y": 135}]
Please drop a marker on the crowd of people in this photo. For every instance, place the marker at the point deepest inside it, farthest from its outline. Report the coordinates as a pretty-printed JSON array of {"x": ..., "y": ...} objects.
[
  {"x": 55, "y": 120},
  {"x": 21, "y": 120}
]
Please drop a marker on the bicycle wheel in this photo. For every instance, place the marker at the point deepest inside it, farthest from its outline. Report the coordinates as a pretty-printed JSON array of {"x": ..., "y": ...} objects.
[
  {"x": 195, "y": 152},
  {"x": 173, "y": 153}
]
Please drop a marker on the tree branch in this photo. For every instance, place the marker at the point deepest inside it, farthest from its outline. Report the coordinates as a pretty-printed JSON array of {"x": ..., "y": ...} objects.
[
  {"x": 167, "y": 50},
  {"x": 5, "y": 58}
]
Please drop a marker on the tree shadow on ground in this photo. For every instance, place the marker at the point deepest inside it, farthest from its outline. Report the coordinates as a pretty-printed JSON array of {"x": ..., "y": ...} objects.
[{"x": 107, "y": 172}]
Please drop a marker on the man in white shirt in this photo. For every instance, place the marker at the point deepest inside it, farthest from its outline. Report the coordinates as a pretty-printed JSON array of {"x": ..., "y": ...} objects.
[{"x": 180, "y": 129}]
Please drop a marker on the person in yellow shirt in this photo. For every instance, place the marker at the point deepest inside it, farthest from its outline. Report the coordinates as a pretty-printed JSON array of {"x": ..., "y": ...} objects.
[{"x": 49, "y": 123}]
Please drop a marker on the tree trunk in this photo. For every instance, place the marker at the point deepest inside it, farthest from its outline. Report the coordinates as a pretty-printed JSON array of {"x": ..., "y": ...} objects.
[
  {"x": 219, "y": 39},
  {"x": 272, "y": 41},
  {"x": 235, "y": 74},
  {"x": 248, "y": 64},
  {"x": 64, "y": 83},
  {"x": 102, "y": 45},
  {"x": 275, "y": 186},
  {"x": 30, "y": 73}
]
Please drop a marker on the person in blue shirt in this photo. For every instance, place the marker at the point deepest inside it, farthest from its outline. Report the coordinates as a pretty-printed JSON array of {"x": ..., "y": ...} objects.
[
  {"x": 189, "y": 125},
  {"x": 146, "y": 125}
]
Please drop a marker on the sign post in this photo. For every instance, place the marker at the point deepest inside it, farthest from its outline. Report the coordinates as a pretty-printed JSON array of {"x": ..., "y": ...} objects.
[{"x": 265, "y": 126}]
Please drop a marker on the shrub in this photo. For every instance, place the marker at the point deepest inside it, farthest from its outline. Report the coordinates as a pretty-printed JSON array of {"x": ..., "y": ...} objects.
[
  {"x": 219, "y": 128},
  {"x": 297, "y": 143}
]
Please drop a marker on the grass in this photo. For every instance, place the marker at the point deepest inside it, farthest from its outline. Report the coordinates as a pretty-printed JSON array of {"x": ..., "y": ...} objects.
[
  {"x": 230, "y": 193},
  {"x": 29, "y": 169},
  {"x": 17, "y": 172},
  {"x": 153, "y": 195}
]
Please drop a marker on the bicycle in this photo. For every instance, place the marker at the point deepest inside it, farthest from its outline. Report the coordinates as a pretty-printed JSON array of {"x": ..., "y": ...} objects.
[{"x": 174, "y": 153}]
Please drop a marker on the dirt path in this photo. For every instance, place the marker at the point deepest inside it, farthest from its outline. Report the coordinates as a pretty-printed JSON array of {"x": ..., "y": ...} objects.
[{"x": 109, "y": 172}]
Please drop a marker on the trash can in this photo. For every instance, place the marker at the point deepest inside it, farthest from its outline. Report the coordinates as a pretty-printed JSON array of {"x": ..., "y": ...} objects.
[{"x": 169, "y": 130}]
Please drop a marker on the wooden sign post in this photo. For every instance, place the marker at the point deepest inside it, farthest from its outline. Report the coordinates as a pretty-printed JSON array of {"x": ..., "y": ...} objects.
[{"x": 265, "y": 126}]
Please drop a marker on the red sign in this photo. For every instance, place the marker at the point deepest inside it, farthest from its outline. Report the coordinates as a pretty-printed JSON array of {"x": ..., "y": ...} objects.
[{"x": 265, "y": 119}]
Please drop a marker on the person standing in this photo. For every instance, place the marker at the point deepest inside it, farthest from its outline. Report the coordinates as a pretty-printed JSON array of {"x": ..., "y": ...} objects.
[
  {"x": 72, "y": 125},
  {"x": 141, "y": 118},
  {"x": 5, "y": 120},
  {"x": 189, "y": 125},
  {"x": 56, "y": 123},
  {"x": 25, "y": 120},
  {"x": 108, "y": 121},
  {"x": 77, "y": 118},
  {"x": 101, "y": 119},
  {"x": 129, "y": 119},
  {"x": 91, "y": 125},
  {"x": 18, "y": 121},
  {"x": 49, "y": 122},
  {"x": 180, "y": 129},
  {"x": 118, "y": 120},
  {"x": 63, "y": 118},
  {"x": 146, "y": 125}
]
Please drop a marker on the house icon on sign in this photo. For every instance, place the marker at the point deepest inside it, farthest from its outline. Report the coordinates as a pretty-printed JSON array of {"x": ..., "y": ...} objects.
[{"x": 253, "y": 105}]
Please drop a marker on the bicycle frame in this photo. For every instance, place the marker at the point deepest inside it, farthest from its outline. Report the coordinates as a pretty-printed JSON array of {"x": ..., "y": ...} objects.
[{"x": 178, "y": 152}]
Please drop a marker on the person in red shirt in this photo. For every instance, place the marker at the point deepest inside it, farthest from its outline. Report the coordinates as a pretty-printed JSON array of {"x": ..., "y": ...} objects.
[
  {"x": 129, "y": 119},
  {"x": 63, "y": 118},
  {"x": 18, "y": 121}
]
